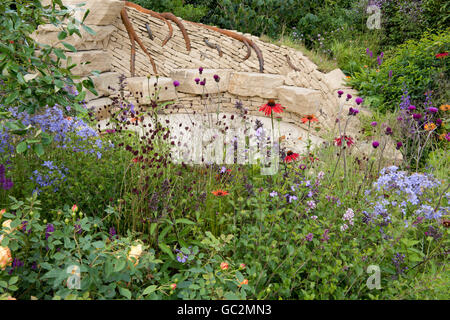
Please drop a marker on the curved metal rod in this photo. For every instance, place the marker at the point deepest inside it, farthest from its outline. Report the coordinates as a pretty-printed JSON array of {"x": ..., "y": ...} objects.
[
  {"x": 155, "y": 15},
  {"x": 134, "y": 37},
  {"x": 290, "y": 63},
  {"x": 172, "y": 17}
]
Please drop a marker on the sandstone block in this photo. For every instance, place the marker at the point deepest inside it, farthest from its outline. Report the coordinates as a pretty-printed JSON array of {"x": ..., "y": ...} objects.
[
  {"x": 164, "y": 89},
  {"x": 252, "y": 84},
  {"x": 99, "y": 60},
  {"x": 186, "y": 77},
  {"x": 298, "y": 100}
]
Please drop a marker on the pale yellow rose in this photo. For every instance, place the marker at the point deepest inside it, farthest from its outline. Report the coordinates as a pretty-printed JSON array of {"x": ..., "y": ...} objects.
[
  {"x": 135, "y": 252},
  {"x": 7, "y": 226},
  {"x": 5, "y": 257}
]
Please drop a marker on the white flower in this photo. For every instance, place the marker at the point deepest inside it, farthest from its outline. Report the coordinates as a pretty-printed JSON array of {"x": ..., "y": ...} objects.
[{"x": 344, "y": 227}]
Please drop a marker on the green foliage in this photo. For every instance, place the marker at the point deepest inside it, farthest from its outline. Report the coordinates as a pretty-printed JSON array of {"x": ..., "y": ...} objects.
[
  {"x": 413, "y": 65},
  {"x": 180, "y": 8}
]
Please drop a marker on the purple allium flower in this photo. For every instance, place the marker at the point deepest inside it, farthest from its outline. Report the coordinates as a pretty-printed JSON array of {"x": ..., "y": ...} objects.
[
  {"x": 349, "y": 96},
  {"x": 200, "y": 70},
  {"x": 375, "y": 144},
  {"x": 197, "y": 80},
  {"x": 176, "y": 83},
  {"x": 411, "y": 108},
  {"x": 399, "y": 145},
  {"x": 340, "y": 93},
  {"x": 309, "y": 236},
  {"x": 203, "y": 82},
  {"x": 359, "y": 101},
  {"x": 432, "y": 110},
  {"x": 373, "y": 123},
  {"x": 417, "y": 116},
  {"x": 216, "y": 78}
]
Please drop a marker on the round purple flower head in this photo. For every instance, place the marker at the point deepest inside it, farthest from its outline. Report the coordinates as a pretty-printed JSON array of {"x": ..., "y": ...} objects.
[
  {"x": 373, "y": 123},
  {"x": 375, "y": 144},
  {"x": 200, "y": 70},
  {"x": 417, "y": 116},
  {"x": 197, "y": 80},
  {"x": 411, "y": 108},
  {"x": 359, "y": 101},
  {"x": 432, "y": 110},
  {"x": 349, "y": 96},
  {"x": 399, "y": 145},
  {"x": 340, "y": 93},
  {"x": 202, "y": 83},
  {"x": 438, "y": 122},
  {"x": 388, "y": 131},
  {"x": 216, "y": 78},
  {"x": 352, "y": 111},
  {"x": 176, "y": 83}
]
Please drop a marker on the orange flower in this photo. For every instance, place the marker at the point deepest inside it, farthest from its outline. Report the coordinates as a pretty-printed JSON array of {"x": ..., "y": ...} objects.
[
  {"x": 270, "y": 107},
  {"x": 173, "y": 286},
  {"x": 430, "y": 126},
  {"x": 445, "y": 107},
  {"x": 245, "y": 281},
  {"x": 5, "y": 257},
  {"x": 310, "y": 118},
  {"x": 220, "y": 193},
  {"x": 365, "y": 66},
  {"x": 224, "y": 266}
]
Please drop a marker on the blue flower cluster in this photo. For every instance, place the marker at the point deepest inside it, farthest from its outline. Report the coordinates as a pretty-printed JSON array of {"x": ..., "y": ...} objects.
[
  {"x": 68, "y": 133},
  {"x": 411, "y": 193},
  {"x": 49, "y": 176}
]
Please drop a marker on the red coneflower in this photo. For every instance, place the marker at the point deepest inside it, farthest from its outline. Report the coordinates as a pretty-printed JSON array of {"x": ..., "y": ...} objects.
[
  {"x": 270, "y": 107},
  {"x": 441, "y": 55},
  {"x": 310, "y": 118},
  {"x": 291, "y": 156},
  {"x": 219, "y": 193}
]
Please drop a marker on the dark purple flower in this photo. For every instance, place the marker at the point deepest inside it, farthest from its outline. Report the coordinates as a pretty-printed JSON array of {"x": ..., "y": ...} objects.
[
  {"x": 112, "y": 233},
  {"x": 390, "y": 73},
  {"x": 176, "y": 83},
  {"x": 411, "y": 108},
  {"x": 388, "y": 131},
  {"x": 399, "y": 145},
  {"x": 349, "y": 96},
  {"x": 438, "y": 122},
  {"x": 48, "y": 230},
  {"x": 200, "y": 70},
  {"x": 359, "y": 101},
  {"x": 325, "y": 236},
  {"x": 417, "y": 116},
  {"x": 197, "y": 80},
  {"x": 375, "y": 144},
  {"x": 110, "y": 130},
  {"x": 202, "y": 83},
  {"x": 352, "y": 111},
  {"x": 340, "y": 93},
  {"x": 302, "y": 167},
  {"x": 216, "y": 78},
  {"x": 373, "y": 123},
  {"x": 309, "y": 236},
  {"x": 432, "y": 110}
]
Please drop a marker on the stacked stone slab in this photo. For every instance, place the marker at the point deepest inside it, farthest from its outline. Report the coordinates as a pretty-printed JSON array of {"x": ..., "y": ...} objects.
[{"x": 92, "y": 50}]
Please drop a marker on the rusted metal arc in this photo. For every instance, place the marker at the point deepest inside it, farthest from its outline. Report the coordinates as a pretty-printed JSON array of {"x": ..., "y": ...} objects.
[
  {"x": 249, "y": 50},
  {"x": 290, "y": 63},
  {"x": 172, "y": 17},
  {"x": 237, "y": 37},
  {"x": 153, "y": 14},
  {"x": 133, "y": 36}
]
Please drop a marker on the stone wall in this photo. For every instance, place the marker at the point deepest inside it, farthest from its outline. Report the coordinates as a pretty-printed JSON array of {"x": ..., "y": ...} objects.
[{"x": 289, "y": 76}]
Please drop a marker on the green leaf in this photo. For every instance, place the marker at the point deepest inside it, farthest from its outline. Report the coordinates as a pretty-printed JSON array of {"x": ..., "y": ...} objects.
[
  {"x": 62, "y": 35},
  {"x": 125, "y": 292},
  {"x": 38, "y": 149},
  {"x": 149, "y": 290},
  {"x": 89, "y": 30},
  {"x": 167, "y": 250},
  {"x": 183, "y": 220},
  {"x": 120, "y": 265},
  {"x": 69, "y": 46},
  {"x": 21, "y": 147}
]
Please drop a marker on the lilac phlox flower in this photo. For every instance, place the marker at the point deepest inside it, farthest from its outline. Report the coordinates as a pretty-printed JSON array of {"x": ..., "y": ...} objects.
[
  {"x": 273, "y": 194},
  {"x": 309, "y": 237}
]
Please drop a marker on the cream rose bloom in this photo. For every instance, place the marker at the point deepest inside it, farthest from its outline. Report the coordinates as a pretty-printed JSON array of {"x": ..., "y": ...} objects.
[
  {"x": 5, "y": 257},
  {"x": 135, "y": 252},
  {"x": 7, "y": 226}
]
